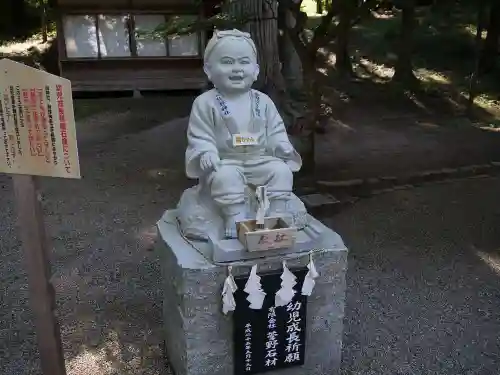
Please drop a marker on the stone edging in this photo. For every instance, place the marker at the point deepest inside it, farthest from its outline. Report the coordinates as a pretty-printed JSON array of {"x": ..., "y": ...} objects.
[{"x": 373, "y": 186}]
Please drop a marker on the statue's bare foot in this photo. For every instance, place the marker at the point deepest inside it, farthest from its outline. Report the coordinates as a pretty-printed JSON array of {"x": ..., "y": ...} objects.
[
  {"x": 231, "y": 226},
  {"x": 236, "y": 214},
  {"x": 231, "y": 231}
]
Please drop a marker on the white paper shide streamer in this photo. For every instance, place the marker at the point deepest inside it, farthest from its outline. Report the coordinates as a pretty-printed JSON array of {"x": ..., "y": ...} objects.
[
  {"x": 308, "y": 285},
  {"x": 228, "y": 302},
  {"x": 262, "y": 204},
  {"x": 286, "y": 293},
  {"x": 254, "y": 290}
]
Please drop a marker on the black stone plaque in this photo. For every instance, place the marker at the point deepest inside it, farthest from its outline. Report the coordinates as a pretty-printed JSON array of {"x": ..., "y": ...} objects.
[{"x": 271, "y": 338}]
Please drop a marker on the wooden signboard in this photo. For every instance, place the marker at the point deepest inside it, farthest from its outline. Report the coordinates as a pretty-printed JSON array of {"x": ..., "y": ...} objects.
[
  {"x": 37, "y": 124},
  {"x": 37, "y": 138},
  {"x": 271, "y": 338}
]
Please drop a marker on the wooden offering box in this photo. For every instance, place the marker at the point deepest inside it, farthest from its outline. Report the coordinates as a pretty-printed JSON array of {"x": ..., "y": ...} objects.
[{"x": 277, "y": 234}]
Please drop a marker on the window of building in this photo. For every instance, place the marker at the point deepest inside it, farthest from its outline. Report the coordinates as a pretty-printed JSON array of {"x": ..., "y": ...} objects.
[
  {"x": 183, "y": 45},
  {"x": 147, "y": 46},
  {"x": 114, "y": 38},
  {"x": 120, "y": 35},
  {"x": 81, "y": 36}
]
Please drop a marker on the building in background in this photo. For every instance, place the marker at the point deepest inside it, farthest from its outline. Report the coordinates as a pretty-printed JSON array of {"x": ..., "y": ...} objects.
[{"x": 100, "y": 49}]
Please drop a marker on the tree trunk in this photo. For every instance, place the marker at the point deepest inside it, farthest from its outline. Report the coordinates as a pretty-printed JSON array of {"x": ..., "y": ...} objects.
[
  {"x": 292, "y": 66},
  {"x": 264, "y": 30},
  {"x": 304, "y": 130},
  {"x": 18, "y": 8},
  {"x": 404, "y": 67},
  {"x": 312, "y": 117},
  {"x": 263, "y": 26},
  {"x": 474, "y": 77},
  {"x": 342, "y": 57},
  {"x": 43, "y": 6},
  {"x": 490, "y": 49}
]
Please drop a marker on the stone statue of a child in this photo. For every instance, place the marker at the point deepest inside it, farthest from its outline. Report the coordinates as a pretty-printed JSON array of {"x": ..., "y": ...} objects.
[{"x": 235, "y": 134}]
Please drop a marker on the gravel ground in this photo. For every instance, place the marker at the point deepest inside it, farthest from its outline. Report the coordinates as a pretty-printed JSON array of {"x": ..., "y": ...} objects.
[
  {"x": 364, "y": 145},
  {"x": 423, "y": 291},
  {"x": 423, "y": 294},
  {"x": 107, "y": 278}
]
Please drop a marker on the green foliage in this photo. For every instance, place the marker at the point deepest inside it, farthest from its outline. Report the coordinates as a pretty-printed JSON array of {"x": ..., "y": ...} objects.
[
  {"x": 36, "y": 3},
  {"x": 19, "y": 19},
  {"x": 181, "y": 25},
  {"x": 443, "y": 40}
]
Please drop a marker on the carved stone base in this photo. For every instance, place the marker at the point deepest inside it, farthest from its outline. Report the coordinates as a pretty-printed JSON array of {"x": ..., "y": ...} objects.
[
  {"x": 221, "y": 250},
  {"x": 199, "y": 338},
  {"x": 200, "y": 218}
]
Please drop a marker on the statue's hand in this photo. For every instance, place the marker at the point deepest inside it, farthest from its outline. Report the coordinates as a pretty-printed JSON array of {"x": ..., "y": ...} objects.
[
  {"x": 209, "y": 161},
  {"x": 284, "y": 149}
]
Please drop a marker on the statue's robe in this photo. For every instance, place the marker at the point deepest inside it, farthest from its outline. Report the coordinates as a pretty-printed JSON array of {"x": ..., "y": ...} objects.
[{"x": 213, "y": 128}]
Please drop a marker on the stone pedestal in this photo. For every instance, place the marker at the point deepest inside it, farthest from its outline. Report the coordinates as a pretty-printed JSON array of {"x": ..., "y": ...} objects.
[{"x": 199, "y": 337}]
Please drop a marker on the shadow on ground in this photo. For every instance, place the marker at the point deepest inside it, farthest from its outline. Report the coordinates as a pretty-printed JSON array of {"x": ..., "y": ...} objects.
[
  {"x": 443, "y": 59},
  {"x": 106, "y": 275},
  {"x": 365, "y": 146},
  {"x": 423, "y": 291},
  {"x": 422, "y": 299}
]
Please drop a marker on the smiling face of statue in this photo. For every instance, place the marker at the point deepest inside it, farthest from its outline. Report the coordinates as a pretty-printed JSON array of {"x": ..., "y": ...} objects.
[{"x": 232, "y": 66}]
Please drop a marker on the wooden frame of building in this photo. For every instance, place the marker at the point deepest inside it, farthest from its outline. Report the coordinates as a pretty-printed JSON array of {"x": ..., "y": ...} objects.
[{"x": 100, "y": 49}]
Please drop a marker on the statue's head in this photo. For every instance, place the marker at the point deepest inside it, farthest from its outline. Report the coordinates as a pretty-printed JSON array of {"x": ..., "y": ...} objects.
[{"x": 230, "y": 61}]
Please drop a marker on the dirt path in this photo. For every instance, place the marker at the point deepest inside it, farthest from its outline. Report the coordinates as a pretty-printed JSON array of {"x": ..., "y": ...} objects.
[
  {"x": 365, "y": 147},
  {"x": 109, "y": 286},
  {"x": 105, "y": 119},
  {"x": 361, "y": 145},
  {"x": 106, "y": 277},
  {"x": 423, "y": 294}
]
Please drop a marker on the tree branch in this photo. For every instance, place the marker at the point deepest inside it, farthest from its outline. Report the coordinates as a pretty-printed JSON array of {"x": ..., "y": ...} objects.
[
  {"x": 321, "y": 33},
  {"x": 291, "y": 5},
  {"x": 270, "y": 7},
  {"x": 362, "y": 12},
  {"x": 298, "y": 44},
  {"x": 365, "y": 10},
  {"x": 294, "y": 33}
]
